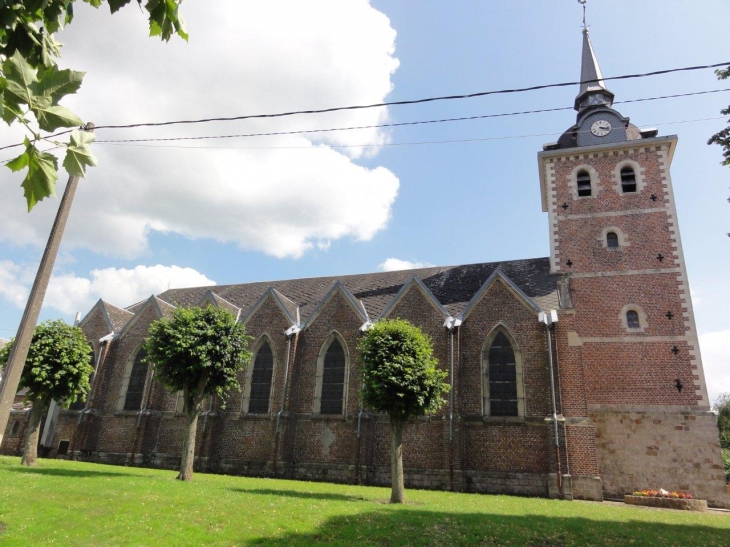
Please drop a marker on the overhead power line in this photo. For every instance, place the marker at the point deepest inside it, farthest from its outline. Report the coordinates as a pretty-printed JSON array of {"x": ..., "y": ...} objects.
[
  {"x": 396, "y": 124},
  {"x": 415, "y": 101},
  {"x": 394, "y": 103},
  {"x": 377, "y": 145}
]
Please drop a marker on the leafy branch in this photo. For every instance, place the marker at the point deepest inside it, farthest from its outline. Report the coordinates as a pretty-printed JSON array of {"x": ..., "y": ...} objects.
[
  {"x": 32, "y": 85},
  {"x": 723, "y": 137}
]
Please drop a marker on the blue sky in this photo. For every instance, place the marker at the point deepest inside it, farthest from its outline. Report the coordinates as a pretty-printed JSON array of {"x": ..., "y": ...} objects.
[{"x": 301, "y": 207}]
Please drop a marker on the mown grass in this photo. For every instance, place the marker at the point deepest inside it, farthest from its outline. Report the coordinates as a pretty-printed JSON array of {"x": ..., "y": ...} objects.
[{"x": 71, "y": 503}]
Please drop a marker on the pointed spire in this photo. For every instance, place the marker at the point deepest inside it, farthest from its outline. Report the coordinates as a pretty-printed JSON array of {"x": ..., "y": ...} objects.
[{"x": 592, "y": 93}]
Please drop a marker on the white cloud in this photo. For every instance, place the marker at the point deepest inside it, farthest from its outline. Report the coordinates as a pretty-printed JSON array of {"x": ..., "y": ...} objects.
[
  {"x": 15, "y": 281},
  {"x": 393, "y": 264},
  {"x": 69, "y": 293},
  {"x": 243, "y": 58},
  {"x": 715, "y": 347}
]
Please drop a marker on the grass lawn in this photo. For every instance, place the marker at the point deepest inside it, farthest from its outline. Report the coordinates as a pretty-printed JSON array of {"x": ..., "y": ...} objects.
[{"x": 71, "y": 503}]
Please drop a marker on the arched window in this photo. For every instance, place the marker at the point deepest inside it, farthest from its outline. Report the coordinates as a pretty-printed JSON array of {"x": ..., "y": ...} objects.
[
  {"x": 136, "y": 384},
  {"x": 263, "y": 371},
  {"x": 632, "y": 319},
  {"x": 503, "y": 378},
  {"x": 584, "y": 183},
  {"x": 331, "y": 379},
  {"x": 15, "y": 430},
  {"x": 611, "y": 240},
  {"x": 628, "y": 180}
]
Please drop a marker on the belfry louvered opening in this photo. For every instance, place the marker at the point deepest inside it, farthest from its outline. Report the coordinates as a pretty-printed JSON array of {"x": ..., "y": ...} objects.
[
  {"x": 584, "y": 183},
  {"x": 263, "y": 371},
  {"x": 628, "y": 180}
]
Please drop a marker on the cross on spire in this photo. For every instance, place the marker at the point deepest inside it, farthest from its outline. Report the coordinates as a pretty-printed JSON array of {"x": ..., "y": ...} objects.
[
  {"x": 583, "y": 3},
  {"x": 593, "y": 91}
]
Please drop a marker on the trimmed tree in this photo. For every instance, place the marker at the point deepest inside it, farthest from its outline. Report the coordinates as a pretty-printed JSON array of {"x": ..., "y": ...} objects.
[
  {"x": 57, "y": 368},
  {"x": 401, "y": 379},
  {"x": 722, "y": 407},
  {"x": 198, "y": 352}
]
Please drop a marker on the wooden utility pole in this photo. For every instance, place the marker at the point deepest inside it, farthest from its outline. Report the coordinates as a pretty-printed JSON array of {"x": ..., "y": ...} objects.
[{"x": 16, "y": 360}]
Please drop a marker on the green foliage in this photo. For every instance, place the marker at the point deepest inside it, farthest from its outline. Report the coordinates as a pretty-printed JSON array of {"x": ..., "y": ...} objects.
[
  {"x": 400, "y": 374},
  {"x": 723, "y": 137},
  {"x": 726, "y": 463},
  {"x": 32, "y": 84},
  {"x": 722, "y": 407},
  {"x": 198, "y": 344},
  {"x": 58, "y": 365}
]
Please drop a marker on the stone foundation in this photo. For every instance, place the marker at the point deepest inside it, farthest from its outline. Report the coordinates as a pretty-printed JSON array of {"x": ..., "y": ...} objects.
[{"x": 672, "y": 450}]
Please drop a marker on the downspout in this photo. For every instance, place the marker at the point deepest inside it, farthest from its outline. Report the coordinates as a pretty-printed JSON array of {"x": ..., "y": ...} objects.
[
  {"x": 548, "y": 319},
  {"x": 359, "y": 437},
  {"x": 451, "y": 324},
  {"x": 292, "y": 331},
  {"x": 367, "y": 325}
]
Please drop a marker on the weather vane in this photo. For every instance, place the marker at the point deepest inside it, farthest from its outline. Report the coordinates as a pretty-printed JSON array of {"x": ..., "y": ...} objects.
[{"x": 583, "y": 3}]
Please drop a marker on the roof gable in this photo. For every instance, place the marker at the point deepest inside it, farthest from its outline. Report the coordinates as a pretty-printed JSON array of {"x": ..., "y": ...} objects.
[
  {"x": 160, "y": 307},
  {"x": 417, "y": 283},
  {"x": 289, "y": 308},
  {"x": 115, "y": 318},
  {"x": 356, "y": 305},
  {"x": 498, "y": 276},
  {"x": 213, "y": 299}
]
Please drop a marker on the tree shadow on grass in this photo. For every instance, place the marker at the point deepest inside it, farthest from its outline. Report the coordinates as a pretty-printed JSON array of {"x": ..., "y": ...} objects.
[
  {"x": 297, "y": 494},
  {"x": 414, "y": 528},
  {"x": 69, "y": 472}
]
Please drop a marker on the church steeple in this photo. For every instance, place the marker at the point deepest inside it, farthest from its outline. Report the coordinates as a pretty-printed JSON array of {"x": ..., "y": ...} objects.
[{"x": 592, "y": 93}]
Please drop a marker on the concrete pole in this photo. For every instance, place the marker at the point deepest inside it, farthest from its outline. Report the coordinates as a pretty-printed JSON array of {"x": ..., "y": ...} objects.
[{"x": 16, "y": 361}]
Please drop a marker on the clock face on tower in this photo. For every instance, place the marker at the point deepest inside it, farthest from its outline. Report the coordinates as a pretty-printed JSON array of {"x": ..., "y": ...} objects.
[{"x": 601, "y": 128}]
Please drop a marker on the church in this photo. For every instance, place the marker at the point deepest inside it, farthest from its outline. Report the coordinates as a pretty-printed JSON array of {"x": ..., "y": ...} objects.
[{"x": 574, "y": 376}]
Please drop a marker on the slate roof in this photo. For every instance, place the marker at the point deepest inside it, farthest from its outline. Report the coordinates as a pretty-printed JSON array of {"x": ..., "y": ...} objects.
[
  {"x": 118, "y": 316},
  {"x": 453, "y": 286}
]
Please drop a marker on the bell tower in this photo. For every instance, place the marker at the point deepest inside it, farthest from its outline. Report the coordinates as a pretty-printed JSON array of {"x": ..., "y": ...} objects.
[{"x": 627, "y": 340}]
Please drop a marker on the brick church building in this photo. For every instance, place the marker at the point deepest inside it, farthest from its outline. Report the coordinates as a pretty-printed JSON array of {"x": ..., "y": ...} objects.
[{"x": 618, "y": 376}]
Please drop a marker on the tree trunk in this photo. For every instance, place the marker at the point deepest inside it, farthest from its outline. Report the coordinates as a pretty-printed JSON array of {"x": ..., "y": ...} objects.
[
  {"x": 188, "y": 451},
  {"x": 397, "y": 494},
  {"x": 193, "y": 402},
  {"x": 30, "y": 446}
]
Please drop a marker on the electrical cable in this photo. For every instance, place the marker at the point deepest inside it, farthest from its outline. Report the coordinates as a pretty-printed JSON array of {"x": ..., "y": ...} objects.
[
  {"x": 417, "y": 101},
  {"x": 449, "y": 141},
  {"x": 399, "y": 103},
  {"x": 398, "y": 124}
]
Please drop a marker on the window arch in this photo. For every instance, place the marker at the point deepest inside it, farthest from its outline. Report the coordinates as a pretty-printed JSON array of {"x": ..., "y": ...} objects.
[
  {"x": 15, "y": 430},
  {"x": 628, "y": 180},
  {"x": 259, "y": 380},
  {"x": 583, "y": 180},
  {"x": 633, "y": 318},
  {"x": 331, "y": 381},
  {"x": 612, "y": 240},
  {"x": 134, "y": 382},
  {"x": 502, "y": 385}
]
